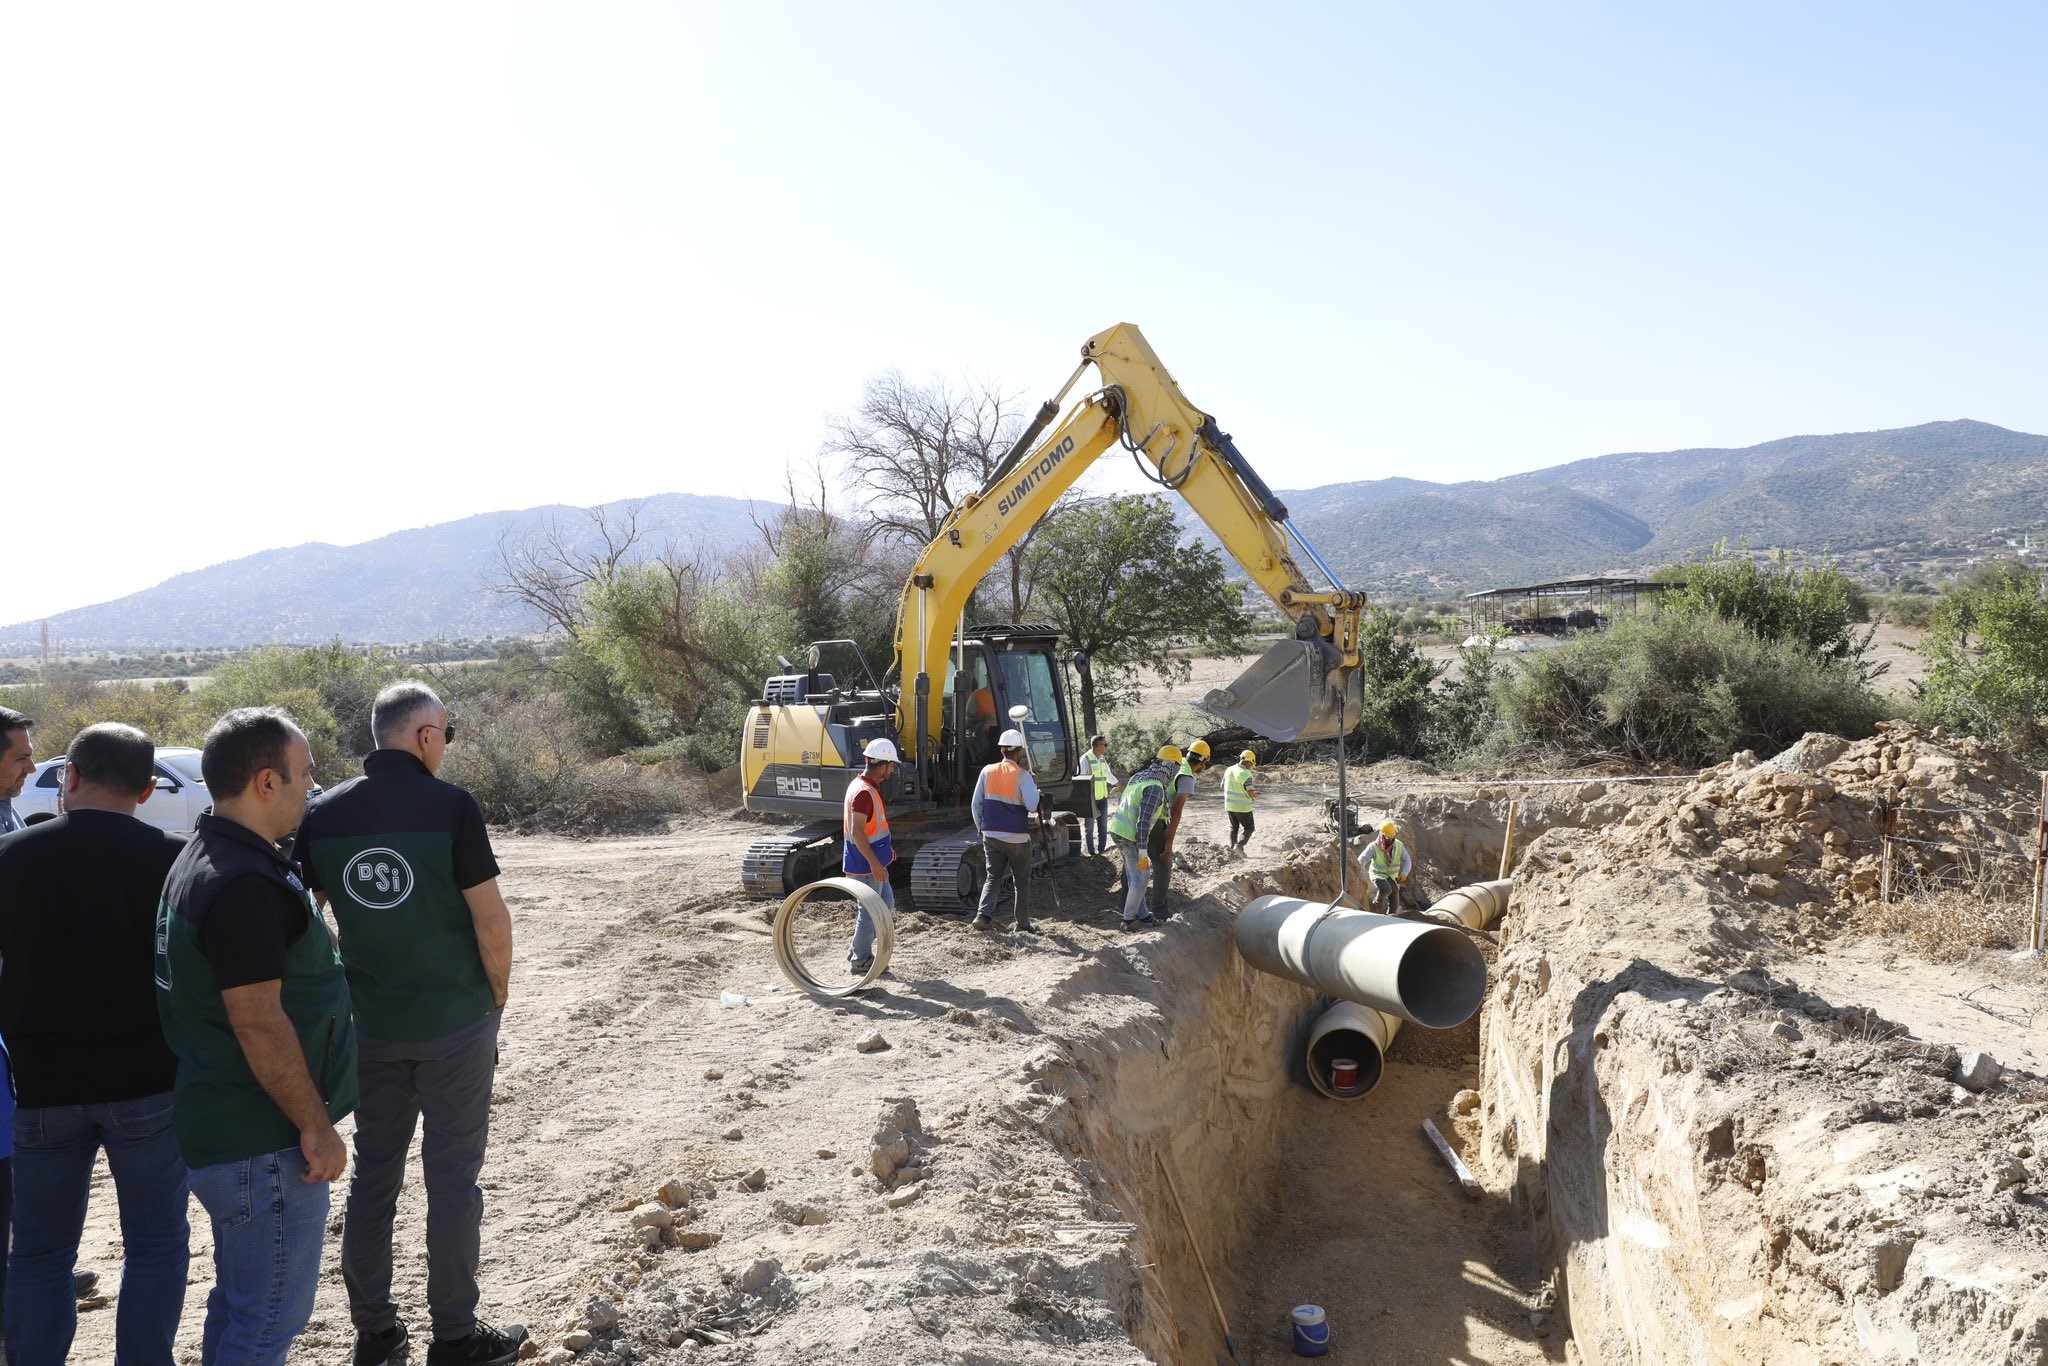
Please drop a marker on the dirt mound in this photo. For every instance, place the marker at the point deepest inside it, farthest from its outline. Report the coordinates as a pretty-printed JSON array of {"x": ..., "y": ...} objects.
[{"x": 1734, "y": 1160}]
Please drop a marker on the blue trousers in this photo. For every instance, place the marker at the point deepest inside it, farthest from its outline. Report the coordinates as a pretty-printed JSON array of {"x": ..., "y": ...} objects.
[
  {"x": 268, "y": 1227},
  {"x": 54, "y": 1148}
]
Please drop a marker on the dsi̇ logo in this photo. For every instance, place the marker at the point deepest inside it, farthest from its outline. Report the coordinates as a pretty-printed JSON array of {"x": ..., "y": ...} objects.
[{"x": 379, "y": 879}]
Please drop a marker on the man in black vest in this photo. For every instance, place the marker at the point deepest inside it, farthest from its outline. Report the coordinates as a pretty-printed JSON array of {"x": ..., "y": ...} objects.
[
  {"x": 404, "y": 861},
  {"x": 254, "y": 1005},
  {"x": 78, "y": 903}
]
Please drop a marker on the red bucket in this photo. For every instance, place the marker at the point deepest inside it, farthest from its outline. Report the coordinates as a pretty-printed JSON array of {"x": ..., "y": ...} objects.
[{"x": 1343, "y": 1073}]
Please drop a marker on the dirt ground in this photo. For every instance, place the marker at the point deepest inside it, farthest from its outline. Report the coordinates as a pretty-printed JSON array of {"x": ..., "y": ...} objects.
[
  {"x": 622, "y": 1072},
  {"x": 1727, "y": 1068}
]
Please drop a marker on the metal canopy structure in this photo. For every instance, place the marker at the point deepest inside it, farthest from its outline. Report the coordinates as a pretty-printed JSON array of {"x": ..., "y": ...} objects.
[{"x": 1572, "y": 604}]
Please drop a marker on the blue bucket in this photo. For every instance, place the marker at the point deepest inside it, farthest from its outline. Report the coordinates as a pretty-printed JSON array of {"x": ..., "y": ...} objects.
[{"x": 1311, "y": 1334}]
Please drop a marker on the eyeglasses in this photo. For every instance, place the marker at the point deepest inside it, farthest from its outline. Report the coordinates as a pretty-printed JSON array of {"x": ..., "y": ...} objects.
[{"x": 447, "y": 731}]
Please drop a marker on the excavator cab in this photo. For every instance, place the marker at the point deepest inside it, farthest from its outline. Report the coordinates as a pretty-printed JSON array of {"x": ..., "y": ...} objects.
[
  {"x": 1003, "y": 676},
  {"x": 1299, "y": 690}
]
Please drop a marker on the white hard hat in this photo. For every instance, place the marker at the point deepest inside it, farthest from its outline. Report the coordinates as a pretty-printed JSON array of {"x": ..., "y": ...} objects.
[
  {"x": 1011, "y": 739},
  {"x": 882, "y": 749}
]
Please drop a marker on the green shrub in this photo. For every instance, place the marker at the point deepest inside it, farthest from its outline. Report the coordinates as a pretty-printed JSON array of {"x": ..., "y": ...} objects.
[
  {"x": 524, "y": 762},
  {"x": 1678, "y": 689},
  {"x": 1988, "y": 662},
  {"x": 1815, "y": 607}
]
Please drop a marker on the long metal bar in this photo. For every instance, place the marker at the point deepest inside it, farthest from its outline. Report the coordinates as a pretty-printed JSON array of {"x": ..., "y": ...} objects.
[{"x": 1310, "y": 551}]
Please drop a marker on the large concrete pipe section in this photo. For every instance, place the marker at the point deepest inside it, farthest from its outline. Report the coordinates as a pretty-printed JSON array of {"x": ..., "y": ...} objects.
[
  {"x": 1475, "y": 907},
  {"x": 1350, "y": 1040},
  {"x": 1430, "y": 974}
]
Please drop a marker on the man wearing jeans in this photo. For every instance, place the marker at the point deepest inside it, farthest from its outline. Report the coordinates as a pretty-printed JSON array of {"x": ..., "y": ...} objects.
[
  {"x": 78, "y": 902},
  {"x": 256, "y": 1008},
  {"x": 866, "y": 851},
  {"x": 404, "y": 861}
]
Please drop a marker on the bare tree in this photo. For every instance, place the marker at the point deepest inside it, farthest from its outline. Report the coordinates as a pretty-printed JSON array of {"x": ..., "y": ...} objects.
[
  {"x": 548, "y": 568},
  {"x": 916, "y": 450}
]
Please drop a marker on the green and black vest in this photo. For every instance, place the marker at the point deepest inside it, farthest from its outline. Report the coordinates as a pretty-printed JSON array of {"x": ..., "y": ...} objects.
[
  {"x": 383, "y": 849},
  {"x": 220, "y": 1111},
  {"x": 1123, "y": 822}
]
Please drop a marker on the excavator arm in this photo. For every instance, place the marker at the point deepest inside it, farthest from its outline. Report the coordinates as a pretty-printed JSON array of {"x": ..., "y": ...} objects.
[{"x": 1298, "y": 691}]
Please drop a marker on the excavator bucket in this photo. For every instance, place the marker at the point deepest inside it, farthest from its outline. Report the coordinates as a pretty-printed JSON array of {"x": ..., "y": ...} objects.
[{"x": 1298, "y": 690}]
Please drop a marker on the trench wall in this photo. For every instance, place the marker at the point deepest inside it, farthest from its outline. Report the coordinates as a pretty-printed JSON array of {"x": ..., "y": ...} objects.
[{"x": 1189, "y": 1074}]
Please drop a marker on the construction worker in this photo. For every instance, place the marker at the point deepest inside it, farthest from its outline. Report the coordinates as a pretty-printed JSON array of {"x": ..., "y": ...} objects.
[
  {"x": 1142, "y": 811},
  {"x": 1240, "y": 790},
  {"x": 1388, "y": 867},
  {"x": 1160, "y": 844},
  {"x": 1106, "y": 782},
  {"x": 1005, "y": 795},
  {"x": 868, "y": 852}
]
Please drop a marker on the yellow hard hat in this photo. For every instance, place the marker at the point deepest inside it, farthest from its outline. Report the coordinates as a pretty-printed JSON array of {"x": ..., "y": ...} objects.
[
  {"x": 1199, "y": 749},
  {"x": 1170, "y": 753},
  {"x": 1389, "y": 829},
  {"x": 1248, "y": 759}
]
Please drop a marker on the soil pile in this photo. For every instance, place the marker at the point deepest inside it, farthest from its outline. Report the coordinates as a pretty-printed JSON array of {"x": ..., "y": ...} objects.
[{"x": 1731, "y": 1165}]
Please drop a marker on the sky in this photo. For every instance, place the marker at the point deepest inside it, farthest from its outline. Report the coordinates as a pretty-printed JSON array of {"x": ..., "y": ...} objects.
[{"x": 275, "y": 273}]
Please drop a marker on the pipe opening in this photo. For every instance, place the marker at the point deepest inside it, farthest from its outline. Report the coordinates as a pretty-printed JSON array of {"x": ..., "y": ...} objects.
[
  {"x": 1339, "y": 1051},
  {"x": 1437, "y": 980}
]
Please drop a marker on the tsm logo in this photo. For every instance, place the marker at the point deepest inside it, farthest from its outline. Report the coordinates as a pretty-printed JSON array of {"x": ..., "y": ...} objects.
[{"x": 379, "y": 879}]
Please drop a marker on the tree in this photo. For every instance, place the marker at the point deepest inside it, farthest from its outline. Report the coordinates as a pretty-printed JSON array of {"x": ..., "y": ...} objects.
[
  {"x": 1996, "y": 688},
  {"x": 916, "y": 450},
  {"x": 1123, "y": 588},
  {"x": 1816, "y": 607},
  {"x": 1399, "y": 708},
  {"x": 826, "y": 574}
]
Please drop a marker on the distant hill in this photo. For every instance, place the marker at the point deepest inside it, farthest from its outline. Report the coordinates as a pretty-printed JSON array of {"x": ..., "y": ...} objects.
[
  {"x": 1642, "y": 510},
  {"x": 424, "y": 584},
  {"x": 1613, "y": 513}
]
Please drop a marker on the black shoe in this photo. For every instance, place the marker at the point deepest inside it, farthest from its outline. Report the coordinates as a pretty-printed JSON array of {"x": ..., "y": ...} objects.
[
  {"x": 487, "y": 1346},
  {"x": 859, "y": 966},
  {"x": 1022, "y": 927},
  {"x": 982, "y": 922},
  {"x": 1142, "y": 922},
  {"x": 381, "y": 1349}
]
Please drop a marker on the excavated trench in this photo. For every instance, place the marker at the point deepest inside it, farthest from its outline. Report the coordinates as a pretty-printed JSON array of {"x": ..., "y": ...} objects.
[
  {"x": 1685, "y": 1156},
  {"x": 1292, "y": 1197}
]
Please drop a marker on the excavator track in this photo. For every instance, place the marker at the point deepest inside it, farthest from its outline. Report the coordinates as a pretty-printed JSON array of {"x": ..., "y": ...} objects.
[
  {"x": 776, "y": 865},
  {"x": 945, "y": 877}
]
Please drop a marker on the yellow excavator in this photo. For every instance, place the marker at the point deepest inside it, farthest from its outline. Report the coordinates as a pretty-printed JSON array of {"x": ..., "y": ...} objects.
[{"x": 803, "y": 738}]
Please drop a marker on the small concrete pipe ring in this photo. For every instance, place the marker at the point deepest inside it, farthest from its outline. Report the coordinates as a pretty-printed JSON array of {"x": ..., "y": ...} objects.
[
  {"x": 1358, "y": 1034},
  {"x": 878, "y": 912}
]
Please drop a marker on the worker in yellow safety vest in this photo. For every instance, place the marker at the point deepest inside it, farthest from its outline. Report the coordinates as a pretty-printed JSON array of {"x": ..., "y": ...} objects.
[
  {"x": 1387, "y": 868},
  {"x": 1106, "y": 782},
  {"x": 1240, "y": 790},
  {"x": 1160, "y": 844},
  {"x": 1141, "y": 812}
]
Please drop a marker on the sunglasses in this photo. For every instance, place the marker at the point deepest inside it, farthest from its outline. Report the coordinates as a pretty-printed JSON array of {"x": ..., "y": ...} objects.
[{"x": 447, "y": 731}]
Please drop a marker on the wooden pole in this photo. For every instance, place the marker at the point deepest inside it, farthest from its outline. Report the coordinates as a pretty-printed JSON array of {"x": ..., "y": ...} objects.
[
  {"x": 1884, "y": 894},
  {"x": 1507, "y": 844},
  {"x": 2041, "y": 873}
]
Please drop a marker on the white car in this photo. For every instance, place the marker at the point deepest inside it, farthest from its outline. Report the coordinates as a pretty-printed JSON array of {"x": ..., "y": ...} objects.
[{"x": 176, "y": 805}]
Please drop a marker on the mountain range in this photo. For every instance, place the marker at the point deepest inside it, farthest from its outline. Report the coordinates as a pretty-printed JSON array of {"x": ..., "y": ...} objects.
[
  {"x": 428, "y": 583},
  {"x": 1612, "y": 513},
  {"x": 1641, "y": 510}
]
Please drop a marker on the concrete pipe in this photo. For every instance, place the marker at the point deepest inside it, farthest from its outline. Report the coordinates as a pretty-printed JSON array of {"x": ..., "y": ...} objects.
[
  {"x": 1429, "y": 974},
  {"x": 1349, "y": 1033},
  {"x": 1476, "y": 906},
  {"x": 861, "y": 891}
]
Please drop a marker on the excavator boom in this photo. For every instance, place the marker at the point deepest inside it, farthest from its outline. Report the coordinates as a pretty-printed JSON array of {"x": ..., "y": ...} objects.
[{"x": 1302, "y": 689}]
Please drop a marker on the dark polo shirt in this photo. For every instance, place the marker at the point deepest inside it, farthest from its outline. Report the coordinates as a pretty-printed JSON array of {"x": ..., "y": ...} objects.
[{"x": 78, "y": 900}]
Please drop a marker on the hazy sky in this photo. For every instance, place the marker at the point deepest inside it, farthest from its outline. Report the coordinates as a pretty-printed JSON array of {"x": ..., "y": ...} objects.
[{"x": 277, "y": 273}]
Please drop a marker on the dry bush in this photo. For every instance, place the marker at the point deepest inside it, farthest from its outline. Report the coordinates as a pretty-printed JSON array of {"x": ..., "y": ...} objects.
[
  {"x": 1945, "y": 919},
  {"x": 524, "y": 762}
]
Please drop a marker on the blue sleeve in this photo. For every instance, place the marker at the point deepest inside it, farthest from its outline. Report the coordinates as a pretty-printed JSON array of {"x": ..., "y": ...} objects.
[{"x": 980, "y": 793}]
